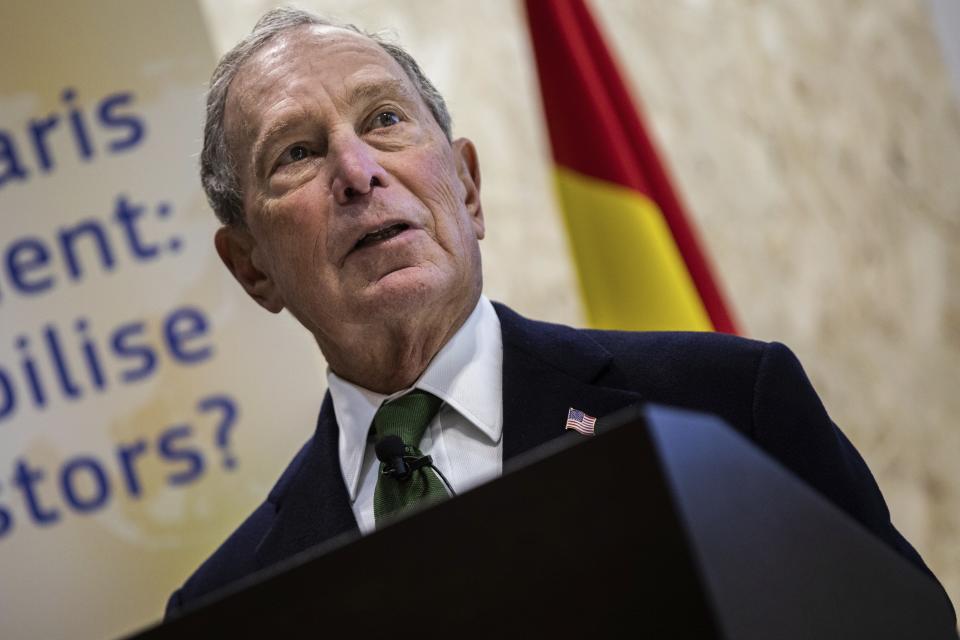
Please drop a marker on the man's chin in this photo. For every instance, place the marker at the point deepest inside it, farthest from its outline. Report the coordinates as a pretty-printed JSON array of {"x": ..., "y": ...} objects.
[{"x": 402, "y": 288}]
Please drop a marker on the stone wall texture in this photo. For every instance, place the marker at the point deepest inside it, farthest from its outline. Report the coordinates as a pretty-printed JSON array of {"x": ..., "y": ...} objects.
[{"x": 817, "y": 145}]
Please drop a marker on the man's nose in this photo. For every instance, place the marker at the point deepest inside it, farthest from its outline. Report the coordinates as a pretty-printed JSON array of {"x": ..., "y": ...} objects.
[{"x": 356, "y": 170}]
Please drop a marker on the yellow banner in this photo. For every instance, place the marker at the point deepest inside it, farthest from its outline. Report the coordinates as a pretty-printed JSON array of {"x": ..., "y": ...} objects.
[{"x": 143, "y": 410}]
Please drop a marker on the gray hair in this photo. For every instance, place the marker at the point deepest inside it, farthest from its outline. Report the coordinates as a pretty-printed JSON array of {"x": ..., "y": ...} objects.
[{"x": 218, "y": 169}]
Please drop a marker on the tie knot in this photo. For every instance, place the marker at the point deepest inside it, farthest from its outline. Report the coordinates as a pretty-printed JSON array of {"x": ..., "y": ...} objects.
[{"x": 406, "y": 417}]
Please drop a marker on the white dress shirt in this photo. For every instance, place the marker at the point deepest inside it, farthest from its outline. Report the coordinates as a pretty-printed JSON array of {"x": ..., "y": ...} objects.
[{"x": 464, "y": 439}]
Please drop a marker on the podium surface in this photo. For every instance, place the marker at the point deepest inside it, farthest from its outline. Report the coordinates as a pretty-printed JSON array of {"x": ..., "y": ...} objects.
[{"x": 665, "y": 524}]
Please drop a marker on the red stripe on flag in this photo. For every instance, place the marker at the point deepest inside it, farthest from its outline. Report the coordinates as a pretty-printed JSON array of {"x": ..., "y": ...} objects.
[{"x": 595, "y": 129}]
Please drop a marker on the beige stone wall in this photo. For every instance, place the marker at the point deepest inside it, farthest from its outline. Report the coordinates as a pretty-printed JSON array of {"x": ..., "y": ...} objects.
[{"x": 817, "y": 144}]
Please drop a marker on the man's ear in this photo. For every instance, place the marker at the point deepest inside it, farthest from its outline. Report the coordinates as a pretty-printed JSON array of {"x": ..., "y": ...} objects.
[
  {"x": 468, "y": 169},
  {"x": 236, "y": 247}
]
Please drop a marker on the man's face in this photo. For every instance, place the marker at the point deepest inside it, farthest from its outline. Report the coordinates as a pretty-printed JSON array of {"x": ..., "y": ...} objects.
[{"x": 358, "y": 208}]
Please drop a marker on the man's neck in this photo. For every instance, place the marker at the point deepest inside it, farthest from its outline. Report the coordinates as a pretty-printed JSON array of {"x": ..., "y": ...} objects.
[{"x": 391, "y": 357}]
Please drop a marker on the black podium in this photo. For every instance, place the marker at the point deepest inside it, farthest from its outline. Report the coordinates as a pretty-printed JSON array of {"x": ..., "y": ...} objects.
[{"x": 667, "y": 524}]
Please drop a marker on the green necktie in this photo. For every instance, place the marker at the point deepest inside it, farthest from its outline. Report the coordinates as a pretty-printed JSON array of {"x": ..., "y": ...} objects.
[{"x": 406, "y": 417}]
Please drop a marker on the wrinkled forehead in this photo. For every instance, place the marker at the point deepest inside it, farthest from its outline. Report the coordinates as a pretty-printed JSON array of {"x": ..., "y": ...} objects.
[{"x": 307, "y": 59}]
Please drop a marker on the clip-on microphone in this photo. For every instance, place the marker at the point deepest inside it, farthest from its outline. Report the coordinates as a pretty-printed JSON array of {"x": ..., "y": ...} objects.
[{"x": 392, "y": 452}]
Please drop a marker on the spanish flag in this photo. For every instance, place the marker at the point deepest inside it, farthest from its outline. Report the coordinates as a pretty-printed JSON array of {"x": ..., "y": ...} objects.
[{"x": 638, "y": 258}]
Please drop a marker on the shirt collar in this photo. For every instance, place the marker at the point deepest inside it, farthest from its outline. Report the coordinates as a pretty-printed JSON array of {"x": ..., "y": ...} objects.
[{"x": 467, "y": 374}]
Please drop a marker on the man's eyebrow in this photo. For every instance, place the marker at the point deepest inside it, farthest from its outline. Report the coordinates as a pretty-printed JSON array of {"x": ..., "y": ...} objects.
[
  {"x": 374, "y": 89},
  {"x": 276, "y": 129},
  {"x": 364, "y": 92}
]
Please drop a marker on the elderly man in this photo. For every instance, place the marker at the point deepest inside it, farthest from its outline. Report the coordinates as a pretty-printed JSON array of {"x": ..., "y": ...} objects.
[{"x": 329, "y": 158}]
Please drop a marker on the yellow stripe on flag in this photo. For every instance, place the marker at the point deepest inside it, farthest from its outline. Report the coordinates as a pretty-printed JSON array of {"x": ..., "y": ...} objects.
[{"x": 632, "y": 273}]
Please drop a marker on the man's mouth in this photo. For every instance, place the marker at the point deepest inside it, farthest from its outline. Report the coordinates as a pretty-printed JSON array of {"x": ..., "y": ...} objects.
[{"x": 381, "y": 235}]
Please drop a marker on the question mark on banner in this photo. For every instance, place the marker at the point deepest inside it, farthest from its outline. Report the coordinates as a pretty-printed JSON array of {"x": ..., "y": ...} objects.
[{"x": 226, "y": 405}]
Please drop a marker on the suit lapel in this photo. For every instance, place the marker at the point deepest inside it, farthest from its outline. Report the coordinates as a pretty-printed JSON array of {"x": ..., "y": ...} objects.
[
  {"x": 315, "y": 505},
  {"x": 548, "y": 369}
]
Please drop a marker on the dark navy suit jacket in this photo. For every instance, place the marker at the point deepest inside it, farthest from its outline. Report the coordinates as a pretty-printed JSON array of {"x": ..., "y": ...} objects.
[{"x": 758, "y": 388}]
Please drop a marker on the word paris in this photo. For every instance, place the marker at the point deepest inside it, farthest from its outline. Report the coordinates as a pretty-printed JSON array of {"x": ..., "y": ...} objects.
[{"x": 109, "y": 128}]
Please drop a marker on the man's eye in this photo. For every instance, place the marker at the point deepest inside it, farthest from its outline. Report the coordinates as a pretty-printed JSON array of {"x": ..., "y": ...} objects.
[
  {"x": 385, "y": 119},
  {"x": 296, "y": 153}
]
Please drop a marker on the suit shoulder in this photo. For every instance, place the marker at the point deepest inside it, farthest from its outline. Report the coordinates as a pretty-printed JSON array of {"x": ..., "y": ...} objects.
[
  {"x": 668, "y": 366},
  {"x": 676, "y": 339},
  {"x": 275, "y": 497},
  {"x": 235, "y": 557},
  {"x": 710, "y": 372},
  {"x": 683, "y": 352}
]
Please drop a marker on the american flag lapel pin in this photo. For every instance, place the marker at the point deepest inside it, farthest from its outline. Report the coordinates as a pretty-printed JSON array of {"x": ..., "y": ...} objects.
[{"x": 580, "y": 422}]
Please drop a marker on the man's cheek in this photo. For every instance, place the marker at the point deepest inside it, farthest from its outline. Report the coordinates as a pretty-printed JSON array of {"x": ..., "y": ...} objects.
[{"x": 444, "y": 194}]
